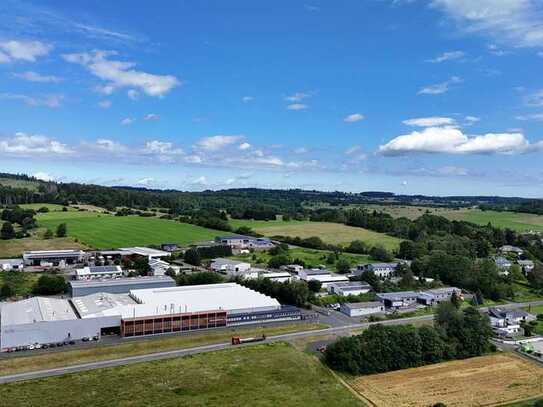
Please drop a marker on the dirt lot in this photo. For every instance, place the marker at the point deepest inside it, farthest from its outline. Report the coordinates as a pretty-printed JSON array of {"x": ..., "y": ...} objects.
[{"x": 483, "y": 381}]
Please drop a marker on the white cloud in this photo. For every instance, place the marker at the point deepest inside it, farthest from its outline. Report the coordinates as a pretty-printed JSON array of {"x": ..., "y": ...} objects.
[
  {"x": 43, "y": 176},
  {"x": 353, "y": 118},
  {"x": 127, "y": 121},
  {"x": 297, "y": 97},
  {"x": 28, "y": 51},
  {"x": 535, "y": 99},
  {"x": 247, "y": 99},
  {"x": 452, "y": 141},
  {"x": 439, "y": 88},
  {"x": 35, "y": 101},
  {"x": 151, "y": 117},
  {"x": 104, "y": 104},
  {"x": 244, "y": 146},
  {"x": 193, "y": 159},
  {"x": 215, "y": 143},
  {"x": 472, "y": 119},
  {"x": 119, "y": 74},
  {"x": 297, "y": 106},
  {"x": 161, "y": 148},
  {"x": 352, "y": 150},
  {"x": 452, "y": 171},
  {"x": 447, "y": 56},
  {"x": 132, "y": 94},
  {"x": 515, "y": 22},
  {"x": 202, "y": 180},
  {"x": 532, "y": 116},
  {"x": 28, "y": 145},
  {"x": 32, "y": 76},
  {"x": 145, "y": 181},
  {"x": 300, "y": 150},
  {"x": 430, "y": 121},
  {"x": 107, "y": 145},
  {"x": 495, "y": 50}
]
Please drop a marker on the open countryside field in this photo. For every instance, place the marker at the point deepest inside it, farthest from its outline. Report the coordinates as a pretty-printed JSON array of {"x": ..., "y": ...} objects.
[
  {"x": 482, "y": 381},
  {"x": 102, "y": 231},
  {"x": 333, "y": 233},
  {"x": 263, "y": 375},
  {"x": 15, "y": 247},
  {"x": 51, "y": 207}
]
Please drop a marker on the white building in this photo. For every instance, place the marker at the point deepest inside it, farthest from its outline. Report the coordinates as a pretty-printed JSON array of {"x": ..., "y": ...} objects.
[
  {"x": 362, "y": 309},
  {"x": 294, "y": 268},
  {"x": 527, "y": 266},
  {"x": 325, "y": 277},
  {"x": 230, "y": 267},
  {"x": 11, "y": 265},
  {"x": 381, "y": 270},
  {"x": 511, "y": 249},
  {"x": 398, "y": 300},
  {"x": 53, "y": 258},
  {"x": 279, "y": 276},
  {"x": 437, "y": 295},
  {"x": 144, "y": 252},
  {"x": 240, "y": 242},
  {"x": 95, "y": 272},
  {"x": 159, "y": 267},
  {"x": 349, "y": 288}
]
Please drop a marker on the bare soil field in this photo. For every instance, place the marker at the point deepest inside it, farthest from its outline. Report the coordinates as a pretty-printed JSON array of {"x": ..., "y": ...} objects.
[{"x": 482, "y": 381}]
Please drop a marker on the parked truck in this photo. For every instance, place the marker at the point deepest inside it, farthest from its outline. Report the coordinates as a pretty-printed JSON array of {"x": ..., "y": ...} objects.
[{"x": 236, "y": 340}]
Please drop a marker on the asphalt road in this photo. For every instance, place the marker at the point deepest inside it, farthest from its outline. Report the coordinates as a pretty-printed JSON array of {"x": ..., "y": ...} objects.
[{"x": 209, "y": 348}]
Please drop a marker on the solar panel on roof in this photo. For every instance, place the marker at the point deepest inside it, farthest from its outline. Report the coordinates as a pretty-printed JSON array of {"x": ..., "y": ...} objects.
[{"x": 102, "y": 269}]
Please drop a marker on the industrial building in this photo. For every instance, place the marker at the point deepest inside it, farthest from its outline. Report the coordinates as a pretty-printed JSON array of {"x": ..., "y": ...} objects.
[
  {"x": 11, "y": 265},
  {"x": 325, "y": 277},
  {"x": 80, "y": 288},
  {"x": 96, "y": 272},
  {"x": 138, "y": 313},
  {"x": 361, "y": 309},
  {"x": 53, "y": 258},
  {"x": 160, "y": 267},
  {"x": 240, "y": 242},
  {"x": 349, "y": 288},
  {"x": 279, "y": 276}
]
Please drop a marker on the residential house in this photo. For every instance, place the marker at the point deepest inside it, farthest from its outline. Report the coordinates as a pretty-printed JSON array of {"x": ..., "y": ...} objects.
[
  {"x": 169, "y": 247},
  {"x": 504, "y": 265},
  {"x": 506, "y": 249},
  {"x": 527, "y": 266},
  {"x": 381, "y": 270},
  {"x": 508, "y": 322},
  {"x": 362, "y": 309}
]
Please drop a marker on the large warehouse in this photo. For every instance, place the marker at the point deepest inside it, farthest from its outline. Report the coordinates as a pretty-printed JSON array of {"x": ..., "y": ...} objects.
[
  {"x": 140, "y": 312},
  {"x": 80, "y": 288}
]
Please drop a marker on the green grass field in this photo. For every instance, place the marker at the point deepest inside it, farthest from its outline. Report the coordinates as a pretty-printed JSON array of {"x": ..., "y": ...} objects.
[
  {"x": 521, "y": 222},
  {"x": 333, "y": 233},
  {"x": 21, "y": 283},
  {"x": 51, "y": 207},
  {"x": 103, "y": 231},
  {"x": 263, "y": 375}
]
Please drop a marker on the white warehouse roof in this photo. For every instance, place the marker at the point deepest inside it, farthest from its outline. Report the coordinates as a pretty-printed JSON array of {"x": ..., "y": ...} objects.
[
  {"x": 230, "y": 297},
  {"x": 36, "y": 309}
]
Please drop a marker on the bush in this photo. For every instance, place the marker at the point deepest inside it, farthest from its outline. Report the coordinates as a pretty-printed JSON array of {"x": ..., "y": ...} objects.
[
  {"x": 50, "y": 284},
  {"x": 62, "y": 230}
]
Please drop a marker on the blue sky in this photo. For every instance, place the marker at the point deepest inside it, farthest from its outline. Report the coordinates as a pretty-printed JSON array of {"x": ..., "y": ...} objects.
[{"x": 438, "y": 97}]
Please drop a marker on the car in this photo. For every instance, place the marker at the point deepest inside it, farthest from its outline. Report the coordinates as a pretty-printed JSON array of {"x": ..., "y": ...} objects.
[
  {"x": 52, "y": 345},
  {"x": 44, "y": 346},
  {"x": 95, "y": 338},
  {"x": 59, "y": 344},
  {"x": 72, "y": 342},
  {"x": 85, "y": 339}
]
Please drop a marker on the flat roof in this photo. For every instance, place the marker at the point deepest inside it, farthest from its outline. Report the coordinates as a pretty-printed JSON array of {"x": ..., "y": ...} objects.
[
  {"x": 53, "y": 253},
  {"x": 230, "y": 297},
  {"x": 226, "y": 262},
  {"x": 360, "y": 305},
  {"x": 146, "y": 251},
  {"x": 93, "y": 305},
  {"x": 351, "y": 284},
  {"x": 11, "y": 261},
  {"x": 398, "y": 295},
  {"x": 36, "y": 309},
  {"x": 120, "y": 281}
]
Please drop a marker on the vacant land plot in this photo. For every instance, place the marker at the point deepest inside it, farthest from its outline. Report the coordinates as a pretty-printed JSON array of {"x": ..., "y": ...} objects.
[
  {"x": 48, "y": 360},
  {"x": 264, "y": 375},
  {"x": 15, "y": 247},
  {"x": 102, "y": 231},
  {"x": 334, "y": 233},
  {"x": 482, "y": 381},
  {"x": 21, "y": 283}
]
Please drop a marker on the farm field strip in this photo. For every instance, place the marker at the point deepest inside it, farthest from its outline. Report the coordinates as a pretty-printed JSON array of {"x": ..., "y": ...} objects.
[{"x": 481, "y": 381}]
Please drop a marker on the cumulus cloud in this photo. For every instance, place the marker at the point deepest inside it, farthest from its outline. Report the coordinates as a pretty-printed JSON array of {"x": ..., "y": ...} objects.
[
  {"x": 151, "y": 117},
  {"x": 535, "y": 99},
  {"x": 353, "y": 118},
  {"x": 108, "y": 145},
  {"x": 32, "y": 76},
  {"x": 104, "y": 104},
  {"x": 297, "y": 106},
  {"x": 147, "y": 181},
  {"x": 244, "y": 146},
  {"x": 35, "y": 101},
  {"x": 351, "y": 150},
  {"x": 515, "y": 22},
  {"x": 471, "y": 119},
  {"x": 215, "y": 143},
  {"x": 162, "y": 148},
  {"x": 132, "y": 94},
  {"x": 29, "y": 145},
  {"x": 127, "y": 121},
  {"x": 532, "y": 116},
  {"x": 451, "y": 140},
  {"x": 439, "y": 88},
  {"x": 447, "y": 56},
  {"x": 247, "y": 99},
  {"x": 297, "y": 97},
  {"x": 43, "y": 176},
  {"x": 119, "y": 74},
  {"x": 28, "y": 51},
  {"x": 430, "y": 121}
]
